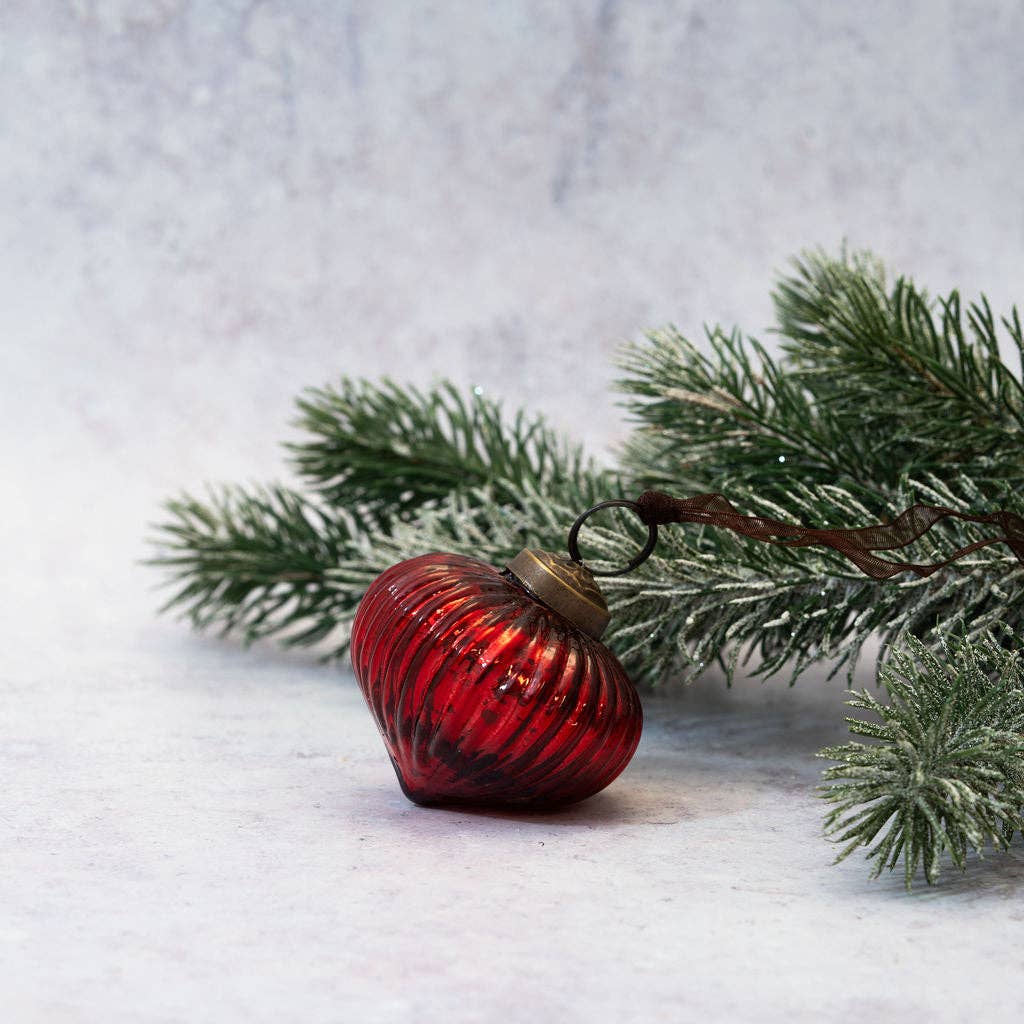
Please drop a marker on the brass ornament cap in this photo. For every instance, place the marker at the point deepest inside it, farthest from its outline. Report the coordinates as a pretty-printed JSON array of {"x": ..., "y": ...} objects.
[{"x": 566, "y": 587}]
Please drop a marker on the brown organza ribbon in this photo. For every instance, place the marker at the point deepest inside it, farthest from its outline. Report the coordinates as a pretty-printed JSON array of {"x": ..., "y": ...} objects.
[{"x": 858, "y": 545}]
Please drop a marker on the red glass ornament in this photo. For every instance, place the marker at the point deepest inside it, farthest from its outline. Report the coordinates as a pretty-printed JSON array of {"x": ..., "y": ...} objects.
[{"x": 482, "y": 694}]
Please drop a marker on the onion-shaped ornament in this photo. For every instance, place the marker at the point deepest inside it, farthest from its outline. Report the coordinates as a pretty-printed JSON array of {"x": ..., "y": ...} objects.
[{"x": 491, "y": 687}]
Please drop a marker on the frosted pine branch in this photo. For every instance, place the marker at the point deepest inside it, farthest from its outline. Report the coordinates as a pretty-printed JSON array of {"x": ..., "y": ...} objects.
[{"x": 943, "y": 771}]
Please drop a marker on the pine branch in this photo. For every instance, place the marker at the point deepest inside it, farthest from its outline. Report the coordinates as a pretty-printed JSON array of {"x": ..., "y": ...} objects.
[
  {"x": 266, "y": 562},
  {"x": 944, "y": 773},
  {"x": 874, "y": 386},
  {"x": 272, "y": 562},
  {"x": 395, "y": 449},
  {"x": 734, "y": 419},
  {"x": 927, "y": 375}
]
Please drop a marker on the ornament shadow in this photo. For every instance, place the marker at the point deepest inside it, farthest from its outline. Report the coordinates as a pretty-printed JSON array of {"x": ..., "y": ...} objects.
[{"x": 606, "y": 808}]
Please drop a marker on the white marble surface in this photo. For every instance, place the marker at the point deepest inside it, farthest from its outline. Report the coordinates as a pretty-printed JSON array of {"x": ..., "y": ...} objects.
[
  {"x": 210, "y": 200},
  {"x": 192, "y": 832},
  {"x": 206, "y": 206}
]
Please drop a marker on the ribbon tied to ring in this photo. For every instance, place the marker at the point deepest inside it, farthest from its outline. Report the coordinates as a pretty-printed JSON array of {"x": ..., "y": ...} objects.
[{"x": 859, "y": 544}]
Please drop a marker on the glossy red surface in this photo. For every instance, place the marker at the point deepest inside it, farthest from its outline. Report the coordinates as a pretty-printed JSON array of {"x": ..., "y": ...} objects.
[{"x": 485, "y": 696}]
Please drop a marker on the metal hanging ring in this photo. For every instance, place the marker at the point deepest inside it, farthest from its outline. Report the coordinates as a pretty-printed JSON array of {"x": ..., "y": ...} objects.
[{"x": 642, "y": 556}]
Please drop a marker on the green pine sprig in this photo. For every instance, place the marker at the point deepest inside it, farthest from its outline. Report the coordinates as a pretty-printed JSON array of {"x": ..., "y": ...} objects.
[
  {"x": 397, "y": 449},
  {"x": 264, "y": 562},
  {"x": 928, "y": 375},
  {"x": 732, "y": 418},
  {"x": 875, "y": 385},
  {"x": 943, "y": 771},
  {"x": 272, "y": 561}
]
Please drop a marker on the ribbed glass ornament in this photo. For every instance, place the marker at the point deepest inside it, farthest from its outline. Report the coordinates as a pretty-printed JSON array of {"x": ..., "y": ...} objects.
[{"x": 485, "y": 696}]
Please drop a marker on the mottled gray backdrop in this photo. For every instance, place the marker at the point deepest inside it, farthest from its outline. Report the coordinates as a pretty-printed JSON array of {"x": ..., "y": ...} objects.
[{"x": 208, "y": 205}]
